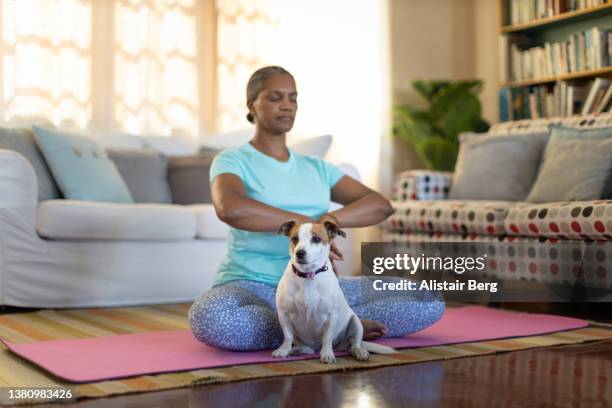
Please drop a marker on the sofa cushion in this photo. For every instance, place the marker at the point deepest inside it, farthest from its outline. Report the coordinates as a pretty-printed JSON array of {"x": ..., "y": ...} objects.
[
  {"x": 21, "y": 140},
  {"x": 189, "y": 178},
  {"x": 577, "y": 166},
  {"x": 544, "y": 260},
  {"x": 314, "y": 146},
  {"x": 227, "y": 140},
  {"x": 572, "y": 220},
  {"x": 209, "y": 225},
  {"x": 145, "y": 174},
  {"x": 457, "y": 216},
  {"x": 497, "y": 167},
  {"x": 317, "y": 146},
  {"x": 170, "y": 145},
  {"x": 74, "y": 219},
  {"x": 121, "y": 141},
  {"x": 81, "y": 167},
  {"x": 422, "y": 185}
]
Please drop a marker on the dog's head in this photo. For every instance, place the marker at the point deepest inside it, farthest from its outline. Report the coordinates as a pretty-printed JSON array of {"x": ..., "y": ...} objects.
[{"x": 309, "y": 242}]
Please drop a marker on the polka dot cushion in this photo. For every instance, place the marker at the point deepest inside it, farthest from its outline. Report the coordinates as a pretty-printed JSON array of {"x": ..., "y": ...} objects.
[
  {"x": 421, "y": 185},
  {"x": 581, "y": 220},
  {"x": 543, "y": 260},
  {"x": 456, "y": 216}
]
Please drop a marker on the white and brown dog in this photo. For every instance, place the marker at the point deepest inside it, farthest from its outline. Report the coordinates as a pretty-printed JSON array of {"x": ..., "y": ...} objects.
[{"x": 312, "y": 310}]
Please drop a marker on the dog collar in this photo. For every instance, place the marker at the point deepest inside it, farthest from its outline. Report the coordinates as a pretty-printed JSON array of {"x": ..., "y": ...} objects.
[{"x": 308, "y": 275}]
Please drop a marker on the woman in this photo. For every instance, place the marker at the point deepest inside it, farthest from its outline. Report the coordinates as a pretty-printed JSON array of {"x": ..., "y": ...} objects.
[{"x": 255, "y": 189}]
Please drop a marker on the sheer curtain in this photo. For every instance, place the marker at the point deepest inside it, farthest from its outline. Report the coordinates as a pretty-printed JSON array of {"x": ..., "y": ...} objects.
[
  {"x": 144, "y": 66},
  {"x": 146, "y": 74},
  {"x": 46, "y": 60},
  {"x": 156, "y": 77},
  {"x": 245, "y": 42}
]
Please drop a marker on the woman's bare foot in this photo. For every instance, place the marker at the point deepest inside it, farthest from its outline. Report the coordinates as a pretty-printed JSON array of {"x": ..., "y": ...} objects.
[{"x": 373, "y": 330}]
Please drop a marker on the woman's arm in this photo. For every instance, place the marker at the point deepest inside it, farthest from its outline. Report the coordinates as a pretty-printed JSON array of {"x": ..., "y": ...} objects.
[
  {"x": 362, "y": 206},
  {"x": 236, "y": 209}
]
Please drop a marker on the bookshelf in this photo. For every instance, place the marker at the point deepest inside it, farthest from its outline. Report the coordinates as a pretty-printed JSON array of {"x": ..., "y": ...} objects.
[
  {"x": 575, "y": 15},
  {"x": 555, "y": 58}
]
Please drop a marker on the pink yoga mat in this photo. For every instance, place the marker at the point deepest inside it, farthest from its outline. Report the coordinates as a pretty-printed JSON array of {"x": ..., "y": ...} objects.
[{"x": 102, "y": 358}]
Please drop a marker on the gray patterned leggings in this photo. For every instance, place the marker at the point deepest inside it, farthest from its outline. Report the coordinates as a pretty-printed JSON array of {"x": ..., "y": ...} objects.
[{"x": 241, "y": 315}]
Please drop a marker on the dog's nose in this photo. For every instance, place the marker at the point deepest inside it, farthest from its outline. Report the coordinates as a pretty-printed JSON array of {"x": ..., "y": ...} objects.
[{"x": 300, "y": 253}]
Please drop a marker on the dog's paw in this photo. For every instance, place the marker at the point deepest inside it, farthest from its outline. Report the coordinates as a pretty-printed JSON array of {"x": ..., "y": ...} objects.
[
  {"x": 281, "y": 352},
  {"x": 360, "y": 353},
  {"x": 328, "y": 357}
]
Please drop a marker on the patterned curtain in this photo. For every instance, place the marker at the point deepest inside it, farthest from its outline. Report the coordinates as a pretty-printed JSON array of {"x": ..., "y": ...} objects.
[
  {"x": 46, "y": 60},
  {"x": 244, "y": 38},
  {"x": 156, "y": 77}
]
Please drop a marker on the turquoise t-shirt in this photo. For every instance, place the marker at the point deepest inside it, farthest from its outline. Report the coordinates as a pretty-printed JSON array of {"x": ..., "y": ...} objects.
[{"x": 302, "y": 185}]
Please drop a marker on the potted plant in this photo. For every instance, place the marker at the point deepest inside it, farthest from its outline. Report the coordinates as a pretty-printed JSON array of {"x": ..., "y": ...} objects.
[{"x": 454, "y": 107}]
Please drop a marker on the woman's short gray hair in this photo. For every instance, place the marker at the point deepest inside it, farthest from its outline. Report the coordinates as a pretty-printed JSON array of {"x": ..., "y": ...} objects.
[{"x": 256, "y": 82}]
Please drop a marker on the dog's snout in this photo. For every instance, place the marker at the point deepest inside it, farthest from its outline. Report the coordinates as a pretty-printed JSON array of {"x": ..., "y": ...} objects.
[{"x": 300, "y": 254}]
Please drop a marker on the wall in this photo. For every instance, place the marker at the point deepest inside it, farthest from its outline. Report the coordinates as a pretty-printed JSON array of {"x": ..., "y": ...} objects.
[
  {"x": 441, "y": 39},
  {"x": 486, "y": 22}
]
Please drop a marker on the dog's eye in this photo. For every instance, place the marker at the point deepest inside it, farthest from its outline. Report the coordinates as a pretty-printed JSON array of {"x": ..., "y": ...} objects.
[
  {"x": 316, "y": 240},
  {"x": 295, "y": 240}
]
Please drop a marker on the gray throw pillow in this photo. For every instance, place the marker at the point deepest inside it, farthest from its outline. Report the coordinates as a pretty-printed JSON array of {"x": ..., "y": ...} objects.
[
  {"x": 576, "y": 166},
  {"x": 22, "y": 141},
  {"x": 189, "y": 178},
  {"x": 145, "y": 174},
  {"x": 497, "y": 167}
]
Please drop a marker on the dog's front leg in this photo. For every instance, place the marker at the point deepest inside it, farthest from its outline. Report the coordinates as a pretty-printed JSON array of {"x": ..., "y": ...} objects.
[
  {"x": 327, "y": 347},
  {"x": 355, "y": 335},
  {"x": 285, "y": 348}
]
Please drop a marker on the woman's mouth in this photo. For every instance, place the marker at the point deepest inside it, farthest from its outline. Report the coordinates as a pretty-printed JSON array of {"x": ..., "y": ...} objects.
[{"x": 286, "y": 119}]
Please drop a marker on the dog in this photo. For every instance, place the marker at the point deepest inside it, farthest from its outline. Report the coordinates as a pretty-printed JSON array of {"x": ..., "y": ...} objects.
[{"x": 312, "y": 310}]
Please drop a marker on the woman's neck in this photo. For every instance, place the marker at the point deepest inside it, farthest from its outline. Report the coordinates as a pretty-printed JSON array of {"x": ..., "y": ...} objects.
[{"x": 271, "y": 145}]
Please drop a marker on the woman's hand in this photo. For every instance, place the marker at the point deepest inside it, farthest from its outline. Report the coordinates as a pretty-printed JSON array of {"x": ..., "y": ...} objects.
[
  {"x": 329, "y": 217},
  {"x": 334, "y": 253}
]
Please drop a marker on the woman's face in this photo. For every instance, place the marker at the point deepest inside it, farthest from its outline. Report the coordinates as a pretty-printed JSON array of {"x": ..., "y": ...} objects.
[{"x": 276, "y": 104}]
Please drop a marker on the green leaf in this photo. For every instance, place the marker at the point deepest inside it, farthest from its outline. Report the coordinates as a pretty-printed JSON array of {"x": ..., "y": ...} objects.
[{"x": 454, "y": 107}]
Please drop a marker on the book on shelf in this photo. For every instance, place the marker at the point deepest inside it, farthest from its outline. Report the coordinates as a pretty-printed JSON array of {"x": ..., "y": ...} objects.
[
  {"x": 583, "y": 51},
  {"x": 564, "y": 98},
  {"x": 525, "y": 11},
  {"x": 597, "y": 91}
]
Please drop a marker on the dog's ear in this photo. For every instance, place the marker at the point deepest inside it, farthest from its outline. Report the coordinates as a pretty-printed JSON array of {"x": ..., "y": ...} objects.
[
  {"x": 333, "y": 230},
  {"x": 286, "y": 227}
]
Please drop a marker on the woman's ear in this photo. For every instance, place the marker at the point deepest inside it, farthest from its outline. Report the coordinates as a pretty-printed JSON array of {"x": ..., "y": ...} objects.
[
  {"x": 286, "y": 227},
  {"x": 251, "y": 111},
  {"x": 333, "y": 230}
]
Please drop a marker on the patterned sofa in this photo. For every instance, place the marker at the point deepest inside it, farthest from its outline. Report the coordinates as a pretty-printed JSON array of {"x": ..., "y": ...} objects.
[{"x": 564, "y": 243}]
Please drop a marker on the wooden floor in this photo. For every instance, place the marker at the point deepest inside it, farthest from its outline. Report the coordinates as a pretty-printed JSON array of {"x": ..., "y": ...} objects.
[
  {"x": 569, "y": 376},
  {"x": 566, "y": 376}
]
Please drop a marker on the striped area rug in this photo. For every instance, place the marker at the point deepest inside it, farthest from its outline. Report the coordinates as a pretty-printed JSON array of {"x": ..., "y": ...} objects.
[{"x": 63, "y": 324}]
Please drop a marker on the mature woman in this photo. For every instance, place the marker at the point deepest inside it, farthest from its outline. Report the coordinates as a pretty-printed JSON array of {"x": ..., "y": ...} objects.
[{"x": 255, "y": 189}]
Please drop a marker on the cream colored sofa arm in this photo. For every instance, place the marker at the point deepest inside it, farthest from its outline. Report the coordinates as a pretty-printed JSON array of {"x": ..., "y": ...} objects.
[{"x": 18, "y": 184}]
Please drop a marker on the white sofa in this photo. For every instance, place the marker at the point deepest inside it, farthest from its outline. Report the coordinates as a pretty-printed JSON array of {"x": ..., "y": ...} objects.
[{"x": 66, "y": 253}]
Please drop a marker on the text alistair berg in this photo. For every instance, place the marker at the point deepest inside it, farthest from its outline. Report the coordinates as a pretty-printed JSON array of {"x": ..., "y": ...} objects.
[{"x": 411, "y": 264}]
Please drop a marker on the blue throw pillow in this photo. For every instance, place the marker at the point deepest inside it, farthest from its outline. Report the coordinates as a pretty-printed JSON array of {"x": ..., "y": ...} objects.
[{"x": 81, "y": 167}]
